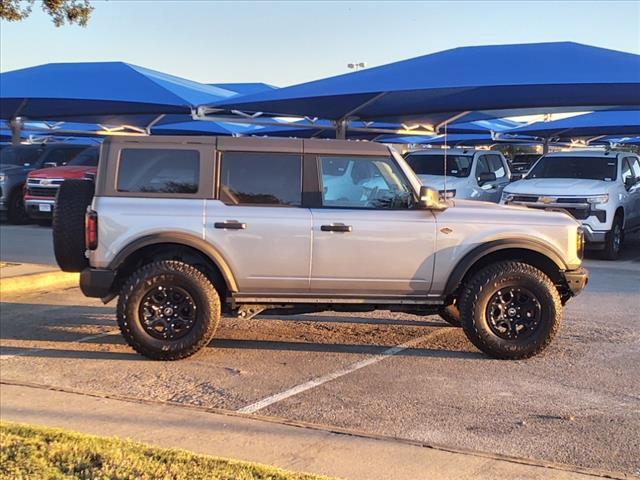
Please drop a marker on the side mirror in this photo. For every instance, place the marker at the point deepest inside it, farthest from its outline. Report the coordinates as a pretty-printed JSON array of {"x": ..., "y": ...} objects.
[
  {"x": 516, "y": 176},
  {"x": 630, "y": 182},
  {"x": 430, "y": 199},
  {"x": 49, "y": 165},
  {"x": 486, "y": 177}
]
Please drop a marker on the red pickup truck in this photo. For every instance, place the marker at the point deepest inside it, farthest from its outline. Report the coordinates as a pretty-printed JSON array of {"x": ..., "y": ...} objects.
[{"x": 42, "y": 185}]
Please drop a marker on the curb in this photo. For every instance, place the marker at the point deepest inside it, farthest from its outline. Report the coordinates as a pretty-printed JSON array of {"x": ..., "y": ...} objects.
[{"x": 38, "y": 281}]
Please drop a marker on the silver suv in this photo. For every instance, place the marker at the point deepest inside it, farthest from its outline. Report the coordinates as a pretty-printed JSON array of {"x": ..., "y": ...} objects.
[
  {"x": 470, "y": 174},
  {"x": 184, "y": 228}
]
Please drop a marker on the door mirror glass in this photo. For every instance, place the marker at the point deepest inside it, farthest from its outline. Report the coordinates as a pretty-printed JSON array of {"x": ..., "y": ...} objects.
[
  {"x": 430, "y": 199},
  {"x": 486, "y": 178}
]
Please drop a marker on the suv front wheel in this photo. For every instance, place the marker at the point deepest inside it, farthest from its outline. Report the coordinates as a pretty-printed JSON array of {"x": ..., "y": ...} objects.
[
  {"x": 168, "y": 310},
  {"x": 510, "y": 310}
]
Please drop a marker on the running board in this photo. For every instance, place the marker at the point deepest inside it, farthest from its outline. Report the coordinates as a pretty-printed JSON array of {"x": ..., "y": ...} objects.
[{"x": 239, "y": 299}]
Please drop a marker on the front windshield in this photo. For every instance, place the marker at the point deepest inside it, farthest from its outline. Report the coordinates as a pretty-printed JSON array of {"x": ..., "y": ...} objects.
[
  {"x": 87, "y": 158},
  {"x": 457, "y": 165},
  {"x": 591, "y": 168},
  {"x": 19, "y": 155}
]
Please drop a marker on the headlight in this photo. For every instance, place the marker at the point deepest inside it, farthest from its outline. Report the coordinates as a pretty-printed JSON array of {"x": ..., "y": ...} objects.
[
  {"x": 2, "y": 177},
  {"x": 596, "y": 199},
  {"x": 506, "y": 197},
  {"x": 450, "y": 194},
  {"x": 580, "y": 243}
]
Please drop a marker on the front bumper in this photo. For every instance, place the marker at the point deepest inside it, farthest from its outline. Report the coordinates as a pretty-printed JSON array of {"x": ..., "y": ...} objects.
[
  {"x": 97, "y": 282},
  {"x": 593, "y": 236},
  {"x": 576, "y": 280},
  {"x": 40, "y": 208}
]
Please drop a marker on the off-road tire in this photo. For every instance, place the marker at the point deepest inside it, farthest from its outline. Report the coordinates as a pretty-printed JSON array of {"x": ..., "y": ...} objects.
[
  {"x": 451, "y": 315},
  {"x": 611, "y": 247},
  {"x": 17, "y": 212},
  {"x": 172, "y": 273},
  {"x": 72, "y": 200},
  {"x": 480, "y": 289}
]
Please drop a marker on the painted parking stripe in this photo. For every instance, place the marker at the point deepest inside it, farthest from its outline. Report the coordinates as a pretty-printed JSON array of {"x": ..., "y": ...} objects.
[
  {"x": 303, "y": 387},
  {"x": 35, "y": 350}
]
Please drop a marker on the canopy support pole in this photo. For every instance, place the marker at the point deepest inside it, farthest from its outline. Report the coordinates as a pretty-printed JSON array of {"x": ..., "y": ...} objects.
[
  {"x": 16, "y": 130},
  {"x": 153, "y": 122},
  {"x": 444, "y": 123},
  {"x": 545, "y": 146},
  {"x": 341, "y": 129}
]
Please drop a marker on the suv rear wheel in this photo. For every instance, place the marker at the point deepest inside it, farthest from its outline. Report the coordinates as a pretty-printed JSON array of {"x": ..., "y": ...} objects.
[
  {"x": 510, "y": 310},
  {"x": 168, "y": 310}
]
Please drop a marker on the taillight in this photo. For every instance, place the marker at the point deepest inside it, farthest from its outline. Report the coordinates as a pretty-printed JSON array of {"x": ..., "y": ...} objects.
[{"x": 91, "y": 230}]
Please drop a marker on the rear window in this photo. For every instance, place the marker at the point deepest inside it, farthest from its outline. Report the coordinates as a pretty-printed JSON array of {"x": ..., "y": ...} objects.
[
  {"x": 155, "y": 170},
  {"x": 261, "y": 179}
]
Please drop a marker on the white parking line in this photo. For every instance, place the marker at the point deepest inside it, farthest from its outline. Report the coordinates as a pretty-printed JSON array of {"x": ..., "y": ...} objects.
[
  {"x": 35, "y": 350},
  {"x": 303, "y": 387}
]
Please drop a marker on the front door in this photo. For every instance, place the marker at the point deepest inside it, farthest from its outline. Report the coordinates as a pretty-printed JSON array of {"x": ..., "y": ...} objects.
[
  {"x": 368, "y": 240},
  {"x": 258, "y": 223},
  {"x": 496, "y": 164}
]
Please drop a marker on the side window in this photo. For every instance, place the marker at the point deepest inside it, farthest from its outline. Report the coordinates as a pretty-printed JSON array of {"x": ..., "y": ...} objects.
[
  {"x": 496, "y": 166},
  {"x": 482, "y": 166},
  {"x": 157, "y": 170},
  {"x": 261, "y": 179},
  {"x": 363, "y": 182},
  {"x": 634, "y": 164}
]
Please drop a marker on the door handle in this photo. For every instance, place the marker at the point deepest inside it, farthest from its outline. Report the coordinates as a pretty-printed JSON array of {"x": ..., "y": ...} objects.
[
  {"x": 230, "y": 225},
  {"x": 336, "y": 228}
]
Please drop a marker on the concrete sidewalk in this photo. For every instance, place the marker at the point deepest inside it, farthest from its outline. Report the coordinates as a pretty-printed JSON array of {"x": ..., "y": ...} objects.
[
  {"x": 297, "y": 448},
  {"x": 19, "y": 278}
]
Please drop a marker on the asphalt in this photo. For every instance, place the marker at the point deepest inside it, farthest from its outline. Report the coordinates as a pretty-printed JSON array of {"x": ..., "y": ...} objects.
[
  {"x": 578, "y": 404},
  {"x": 26, "y": 244}
]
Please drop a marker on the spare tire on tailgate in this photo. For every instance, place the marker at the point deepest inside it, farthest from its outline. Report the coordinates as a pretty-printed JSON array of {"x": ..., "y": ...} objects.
[{"x": 68, "y": 224}]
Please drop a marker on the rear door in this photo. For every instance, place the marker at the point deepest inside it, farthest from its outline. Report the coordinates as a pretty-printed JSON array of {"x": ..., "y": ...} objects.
[
  {"x": 367, "y": 239},
  {"x": 631, "y": 168},
  {"x": 257, "y": 221}
]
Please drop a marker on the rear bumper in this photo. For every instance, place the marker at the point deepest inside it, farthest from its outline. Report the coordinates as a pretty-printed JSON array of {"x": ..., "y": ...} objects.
[
  {"x": 576, "y": 280},
  {"x": 97, "y": 282}
]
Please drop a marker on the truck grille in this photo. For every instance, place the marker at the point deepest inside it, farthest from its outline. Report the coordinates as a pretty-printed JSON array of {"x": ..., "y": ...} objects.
[
  {"x": 577, "y": 207},
  {"x": 42, "y": 191},
  {"x": 43, "y": 187}
]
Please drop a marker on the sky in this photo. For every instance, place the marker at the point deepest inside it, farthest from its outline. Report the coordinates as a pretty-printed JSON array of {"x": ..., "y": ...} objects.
[{"x": 288, "y": 42}]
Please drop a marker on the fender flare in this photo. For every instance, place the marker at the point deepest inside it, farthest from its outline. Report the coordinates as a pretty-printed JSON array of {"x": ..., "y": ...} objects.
[
  {"x": 181, "y": 239},
  {"x": 470, "y": 258}
]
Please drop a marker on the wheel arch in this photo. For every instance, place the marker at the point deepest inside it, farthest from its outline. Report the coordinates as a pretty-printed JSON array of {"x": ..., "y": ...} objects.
[
  {"x": 532, "y": 252},
  {"x": 168, "y": 243}
]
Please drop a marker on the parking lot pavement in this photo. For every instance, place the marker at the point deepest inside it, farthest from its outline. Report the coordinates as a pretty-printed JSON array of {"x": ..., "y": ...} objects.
[
  {"x": 577, "y": 404},
  {"x": 26, "y": 244}
]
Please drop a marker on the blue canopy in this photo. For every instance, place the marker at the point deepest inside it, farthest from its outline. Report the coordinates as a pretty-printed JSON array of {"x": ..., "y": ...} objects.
[
  {"x": 616, "y": 122},
  {"x": 514, "y": 79},
  {"x": 102, "y": 92},
  {"x": 457, "y": 140},
  {"x": 245, "y": 88}
]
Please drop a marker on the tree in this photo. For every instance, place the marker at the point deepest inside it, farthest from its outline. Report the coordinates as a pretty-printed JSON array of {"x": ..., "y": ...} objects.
[{"x": 61, "y": 11}]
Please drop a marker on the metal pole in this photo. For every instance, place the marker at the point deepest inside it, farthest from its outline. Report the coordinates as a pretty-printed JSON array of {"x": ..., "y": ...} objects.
[
  {"x": 16, "y": 129},
  {"x": 341, "y": 129},
  {"x": 545, "y": 146}
]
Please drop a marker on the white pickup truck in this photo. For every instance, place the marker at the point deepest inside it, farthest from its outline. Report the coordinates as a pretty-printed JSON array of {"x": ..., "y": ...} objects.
[{"x": 599, "y": 188}]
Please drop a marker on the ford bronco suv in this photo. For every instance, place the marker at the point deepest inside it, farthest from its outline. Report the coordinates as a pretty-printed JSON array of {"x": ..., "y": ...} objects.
[
  {"x": 181, "y": 229},
  {"x": 599, "y": 188},
  {"x": 470, "y": 174}
]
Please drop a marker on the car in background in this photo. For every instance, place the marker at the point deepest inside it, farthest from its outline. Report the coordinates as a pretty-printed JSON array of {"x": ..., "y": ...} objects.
[
  {"x": 600, "y": 189},
  {"x": 16, "y": 161},
  {"x": 522, "y": 162},
  {"x": 470, "y": 174},
  {"x": 43, "y": 184}
]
